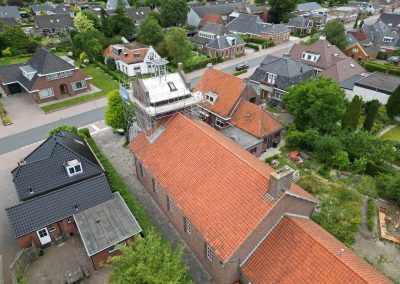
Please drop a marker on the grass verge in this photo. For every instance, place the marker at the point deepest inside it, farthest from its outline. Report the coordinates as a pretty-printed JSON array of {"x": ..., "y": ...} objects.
[
  {"x": 393, "y": 134},
  {"x": 99, "y": 78},
  {"x": 371, "y": 214}
]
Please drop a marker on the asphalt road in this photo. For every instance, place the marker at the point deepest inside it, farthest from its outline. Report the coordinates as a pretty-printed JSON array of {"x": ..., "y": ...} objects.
[{"x": 24, "y": 138}]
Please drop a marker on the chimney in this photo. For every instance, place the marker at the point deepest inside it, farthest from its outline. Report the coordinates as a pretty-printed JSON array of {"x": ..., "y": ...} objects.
[
  {"x": 138, "y": 74},
  {"x": 286, "y": 55},
  {"x": 180, "y": 66},
  {"x": 280, "y": 181}
]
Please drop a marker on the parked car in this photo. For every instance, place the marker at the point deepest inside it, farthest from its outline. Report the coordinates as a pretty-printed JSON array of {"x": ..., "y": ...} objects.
[{"x": 241, "y": 66}]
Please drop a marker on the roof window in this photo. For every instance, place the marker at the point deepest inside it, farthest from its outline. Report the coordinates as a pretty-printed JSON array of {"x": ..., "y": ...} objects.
[
  {"x": 137, "y": 55},
  {"x": 73, "y": 167},
  {"x": 172, "y": 87}
]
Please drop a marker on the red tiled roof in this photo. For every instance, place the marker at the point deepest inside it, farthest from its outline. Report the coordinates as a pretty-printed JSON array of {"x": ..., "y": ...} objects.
[
  {"x": 211, "y": 18},
  {"x": 300, "y": 251},
  {"x": 228, "y": 87},
  {"x": 209, "y": 177},
  {"x": 359, "y": 35},
  {"x": 254, "y": 120},
  {"x": 130, "y": 51}
]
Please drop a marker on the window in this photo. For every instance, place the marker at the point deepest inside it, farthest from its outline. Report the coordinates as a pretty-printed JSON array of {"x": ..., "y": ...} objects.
[
  {"x": 52, "y": 229},
  {"x": 112, "y": 249},
  {"x": 172, "y": 87},
  {"x": 271, "y": 78},
  {"x": 355, "y": 49},
  {"x": 170, "y": 204},
  {"x": 188, "y": 226},
  {"x": 253, "y": 100},
  {"x": 209, "y": 253},
  {"x": 219, "y": 122},
  {"x": 42, "y": 233},
  {"x": 78, "y": 85},
  {"x": 73, "y": 167},
  {"x": 125, "y": 55},
  {"x": 141, "y": 170},
  {"x": 253, "y": 150},
  {"x": 45, "y": 93},
  {"x": 137, "y": 55},
  {"x": 154, "y": 185}
]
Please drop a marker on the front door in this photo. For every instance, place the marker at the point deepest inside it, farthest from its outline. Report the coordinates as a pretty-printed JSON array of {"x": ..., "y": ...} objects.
[
  {"x": 63, "y": 89},
  {"x": 44, "y": 236}
]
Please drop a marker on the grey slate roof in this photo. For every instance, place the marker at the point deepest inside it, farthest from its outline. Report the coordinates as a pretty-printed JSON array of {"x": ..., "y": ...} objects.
[
  {"x": 43, "y": 61},
  {"x": 214, "y": 29},
  {"x": 289, "y": 72},
  {"x": 44, "y": 169},
  {"x": 54, "y": 21},
  {"x": 42, "y": 211},
  {"x": 363, "y": 5},
  {"x": 137, "y": 14},
  {"x": 222, "y": 9},
  {"x": 61, "y": 9},
  {"x": 42, "y": 7},
  {"x": 221, "y": 42},
  {"x": 300, "y": 22},
  {"x": 390, "y": 18},
  {"x": 252, "y": 24},
  {"x": 377, "y": 31},
  {"x": 378, "y": 81},
  {"x": 308, "y": 6},
  {"x": 112, "y": 4},
  {"x": 9, "y": 12},
  {"x": 348, "y": 84},
  {"x": 106, "y": 225}
]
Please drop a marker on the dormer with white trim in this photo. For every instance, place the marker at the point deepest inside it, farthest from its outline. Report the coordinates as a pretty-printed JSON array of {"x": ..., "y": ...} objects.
[
  {"x": 211, "y": 97},
  {"x": 28, "y": 71},
  {"x": 310, "y": 56},
  {"x": 73, "y": 167}
]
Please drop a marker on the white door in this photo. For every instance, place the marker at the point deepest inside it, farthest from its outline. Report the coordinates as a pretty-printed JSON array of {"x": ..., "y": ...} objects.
[{"x": 44, "y": 236}]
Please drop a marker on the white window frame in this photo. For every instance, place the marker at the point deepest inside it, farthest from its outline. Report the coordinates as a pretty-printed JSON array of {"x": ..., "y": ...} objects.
[
  {"x": 188, "y": 226},
  {"x": 170, "y": 204},
  {"x": 74, "y": 88},
  {"x": 49, "y": 94},
  {"x": 219, "y": 122},
  {"x": 154, "y": 185},
  {"x": 209, "y": 253},
  {"x": 73, "y": 167}
]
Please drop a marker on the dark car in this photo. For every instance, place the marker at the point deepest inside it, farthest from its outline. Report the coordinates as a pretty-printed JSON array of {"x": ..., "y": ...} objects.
[{"x": 241, "y": 66}]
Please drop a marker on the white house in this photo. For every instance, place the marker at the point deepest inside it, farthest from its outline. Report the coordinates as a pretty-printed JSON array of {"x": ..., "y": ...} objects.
[{"x": 132, "y": 57}]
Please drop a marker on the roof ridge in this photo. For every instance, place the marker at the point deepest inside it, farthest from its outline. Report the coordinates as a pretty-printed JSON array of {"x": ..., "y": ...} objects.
[
  {"x": 197, "y": 125},
  {"x": 324, "y": 247}
]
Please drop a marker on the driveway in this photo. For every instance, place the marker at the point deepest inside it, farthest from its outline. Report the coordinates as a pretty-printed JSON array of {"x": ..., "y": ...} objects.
[{"x": 121, "y": 158}]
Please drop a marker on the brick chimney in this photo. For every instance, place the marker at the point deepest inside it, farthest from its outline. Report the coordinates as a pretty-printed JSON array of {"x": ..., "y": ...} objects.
[{"x": 280, "y": 181}]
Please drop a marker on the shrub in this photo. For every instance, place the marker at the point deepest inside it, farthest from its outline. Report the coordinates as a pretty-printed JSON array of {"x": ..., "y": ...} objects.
[
  {"x": 367, "y": 186},
  {"x": 382, "y": 55},
  {"x": 236, "y": 73},
  {"x": 253, "y": 46},
  {"x": 116, "y": 75},
  {"x": 196, "y": 63},
  {"x": 385, "y": 68},
  {"x": 376, "y": 168},
  {"x": 6, "y": 52},
  {"x": 85, "y": 132},
  {"x": 371, "y": 214}
]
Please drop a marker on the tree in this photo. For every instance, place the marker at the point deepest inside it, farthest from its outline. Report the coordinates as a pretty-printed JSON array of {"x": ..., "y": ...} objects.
[
  {"x": 178, "y": 46},
  {"x": 372, "y": 113},
  {"x": 150, "y": 32},
  {"x": 114, "y": 113},
  {"x": 83, "y": 132},
  {"x": 336, "y": 34},
  {"x": 393, "y": 104},
  {"x": 359, "y": 165},
  {"x": 148, "y": 260},
  {"x": 341, "y": 160},
  {"x": 92, "y": 42},
  {"x": 316, "y": 103},
  {"x": 279, "y": 9},
  {"x": 389, "y": 186},
  {"x": 173, "y": 12},
  {"x": 352, "y": 114},
  {"x": 82, "y": 23},
  {"x": 93, "y": 18},
  {"x": 15, "y": 38},
  {"x": 326, "y": 147},
  {"x": 119, "y": 24},
  {"x": 111, "y": 63}
]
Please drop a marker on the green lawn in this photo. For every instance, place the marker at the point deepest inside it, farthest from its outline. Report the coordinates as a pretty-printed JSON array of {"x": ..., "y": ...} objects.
[
  {"x": 18, "y": 59},
  {"x": 99, "y": 78},
  {"x": 393, "y": 134}
]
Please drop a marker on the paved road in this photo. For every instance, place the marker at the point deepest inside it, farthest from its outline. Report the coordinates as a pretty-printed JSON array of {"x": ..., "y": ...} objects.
[{"x": 36, "y": 134}]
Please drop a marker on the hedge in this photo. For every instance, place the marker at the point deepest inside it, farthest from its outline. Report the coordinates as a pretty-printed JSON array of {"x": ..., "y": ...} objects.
[
  {"x": 258, "y": 40},
  {"x": 114, "y": 74},
  {"x": 385, "y": 68},
  {"x": 375, "y": 168},
  {"x": 195, "y": 65},
  {"x": 4, "y": 117},
  {"x": 371, "y": 214},
  {"x": 236, "y": 73},
  {"x": 256, "y": 47}
]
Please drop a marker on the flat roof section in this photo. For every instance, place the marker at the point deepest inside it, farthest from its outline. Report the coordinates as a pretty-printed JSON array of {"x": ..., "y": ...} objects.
[
  {"x": 106, "y": 225},
  {"x": 244, "y": 139},
  {"x": 380, "y": 82}
]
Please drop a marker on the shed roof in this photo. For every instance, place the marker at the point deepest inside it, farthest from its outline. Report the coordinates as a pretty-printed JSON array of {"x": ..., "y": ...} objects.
[
  {"x": 380, "y": 81},
  {"x": 241, "y": 137},
  {"x": 9, "y": 12},
  {"x": 106, "y": 224}
]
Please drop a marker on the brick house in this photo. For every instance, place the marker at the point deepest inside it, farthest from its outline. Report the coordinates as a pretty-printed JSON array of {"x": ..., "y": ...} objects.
[
  {"x": 226, "y": 46},
  {"x": 252, "y": 25},
  {"x": 50, "y": 25},
  {"x": 360, "y": 47},
  {"x": 63, "y": 190},
  {"x": 327, "y": 59},
  {"x": 45, "y": 77},
  {"x": 132, "y": 57},
  {"x": 207, "y": 34},
  {"x": 225, "y": 203}
]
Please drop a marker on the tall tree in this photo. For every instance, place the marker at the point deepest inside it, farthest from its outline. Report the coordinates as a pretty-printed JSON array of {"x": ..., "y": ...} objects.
[
  {"x": 15, "y": 38},
  {"x": 336, "y": 34},
  {"x": 82, "y": 23},
  {"x": 148, "y": 260},
  {"x": 372, "y": 112},
  {"x": 173, "y": 12},
  {"x": 316, "y": 103},
  {"x": 114, "y": 114},
  {"x": 93, "y": 18},
  {"x": 351, "y": 116},
  {"x": 120, "y": 24},
  {"x": 150, "y": 32},
  {"x": 92, "y": 42},
  {"x": 280, "y": 9},
  {"x": 178, "y": 46},
  {"x": 393, "y": 104}
]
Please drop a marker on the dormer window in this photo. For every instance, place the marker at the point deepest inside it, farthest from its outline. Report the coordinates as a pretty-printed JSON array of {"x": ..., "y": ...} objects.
[
  {"x": 137, "y": 55},
  {"x": 211, "y": 97},
  {"x": 125, "y": 55},
  {"x": 310, "y": 56},
  {"x": 74, "y": 167},
  {"x": 387, "y": 39},
  {"x": 172, "y": 87}
]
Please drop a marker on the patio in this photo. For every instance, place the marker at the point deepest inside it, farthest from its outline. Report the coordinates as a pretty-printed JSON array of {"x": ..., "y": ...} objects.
[{"x": 60, "y": 259}]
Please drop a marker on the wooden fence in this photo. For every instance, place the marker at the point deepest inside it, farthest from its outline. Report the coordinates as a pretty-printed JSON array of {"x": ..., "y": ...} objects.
[{"x": 24, "y": 257}]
